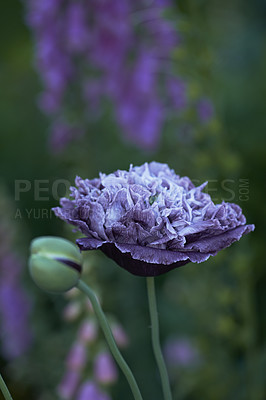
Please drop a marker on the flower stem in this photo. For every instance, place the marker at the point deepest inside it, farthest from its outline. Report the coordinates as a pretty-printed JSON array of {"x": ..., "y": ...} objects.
[
  {"x": 110, "y": 339},
  {"x": 156, "y": 339},
  {"x": 4, "y": 389}
]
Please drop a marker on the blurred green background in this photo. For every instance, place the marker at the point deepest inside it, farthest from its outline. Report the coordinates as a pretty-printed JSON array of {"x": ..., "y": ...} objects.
[{"x": 218, "y": 305}]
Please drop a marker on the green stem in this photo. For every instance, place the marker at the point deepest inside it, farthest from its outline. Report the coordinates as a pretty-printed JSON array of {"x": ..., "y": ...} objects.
[
  {"x": 110, "y": 339},
  {"x": 156, "y": 339},
  {"x": 4, "y": 389}
]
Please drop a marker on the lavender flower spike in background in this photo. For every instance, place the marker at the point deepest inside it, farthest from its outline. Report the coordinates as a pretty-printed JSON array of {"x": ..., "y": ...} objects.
[
  {"x": 115, "y": 50},
  {"x": 105, "y": 370},
  {"x": 16, "y": 333},
  {"x": 90, "y": 390},
  {"x": 149, "y": 220}
]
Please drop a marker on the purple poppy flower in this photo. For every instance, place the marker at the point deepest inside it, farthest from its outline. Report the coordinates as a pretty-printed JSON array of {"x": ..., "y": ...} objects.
[{"x": 149, "y": 220}]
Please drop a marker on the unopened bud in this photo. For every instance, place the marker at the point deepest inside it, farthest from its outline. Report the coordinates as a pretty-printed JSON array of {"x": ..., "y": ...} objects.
[{"x": 55, "y": 264}]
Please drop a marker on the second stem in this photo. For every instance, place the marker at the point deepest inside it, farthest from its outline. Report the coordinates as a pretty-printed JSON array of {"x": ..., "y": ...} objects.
[
  {"x": 156, "y": 339},
  {"x": 4, "y": 389},
  {"x": 110, "y": 339}
]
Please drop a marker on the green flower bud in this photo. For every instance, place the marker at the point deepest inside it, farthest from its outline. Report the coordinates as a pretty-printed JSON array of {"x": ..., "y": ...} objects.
[{"x": 54, "y": 264}]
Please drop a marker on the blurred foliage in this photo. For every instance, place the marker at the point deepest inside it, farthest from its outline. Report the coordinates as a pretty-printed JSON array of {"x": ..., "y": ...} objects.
[{"x": 219, "y": 304}]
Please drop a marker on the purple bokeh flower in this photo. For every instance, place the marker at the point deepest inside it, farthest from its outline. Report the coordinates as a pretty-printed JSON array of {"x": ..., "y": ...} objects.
[
  {"x": 105, "y": 370},
  {"x": 16, "y": 334},
  {"x": 205, "y": 110},
  {"x": 72, "y": 311},
  {"x": 90, "y": 391},
  {"x": 77, "y": 357},
  {"x": 116, "y": 50},
  {"x": 120, "y": 335},
  {"x": 88, "y": 332},
  {"x": 177, "y": 93},
  {"x": 15, "y": 308},
  {"x": 149, "y": 220},
  {"x": 181, "y": 352},
  {"x": 61, "y": 134},
  {"x": 69, "y": 384}
]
